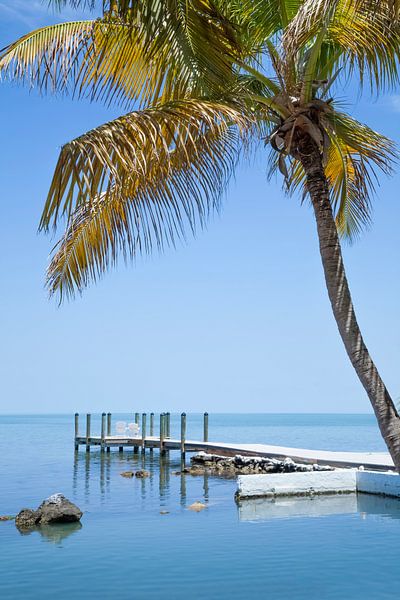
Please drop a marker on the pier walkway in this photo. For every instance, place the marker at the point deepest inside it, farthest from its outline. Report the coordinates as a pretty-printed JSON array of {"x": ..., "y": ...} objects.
[{"x": 380, "y": 461}]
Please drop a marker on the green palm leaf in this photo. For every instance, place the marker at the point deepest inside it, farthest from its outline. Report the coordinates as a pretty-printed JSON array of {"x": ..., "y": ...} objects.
[{"x": 364, "y": 34}]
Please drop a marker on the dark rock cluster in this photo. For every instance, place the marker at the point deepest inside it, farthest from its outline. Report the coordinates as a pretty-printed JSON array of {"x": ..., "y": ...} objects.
[
  {"x": 140, "y": 474},
  {"x": 55, "y": 509},
  {"x": 232, "y": 465}
]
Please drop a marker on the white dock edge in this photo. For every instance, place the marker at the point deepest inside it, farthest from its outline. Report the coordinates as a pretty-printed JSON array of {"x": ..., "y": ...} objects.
[
  {"x": 297, "y": 484},
  {"x": 340, "y": 481},
  {"x": 384, "y": 484}
]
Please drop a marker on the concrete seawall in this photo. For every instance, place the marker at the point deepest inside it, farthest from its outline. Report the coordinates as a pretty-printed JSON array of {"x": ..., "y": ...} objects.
[{"x": 340, "y": 481}]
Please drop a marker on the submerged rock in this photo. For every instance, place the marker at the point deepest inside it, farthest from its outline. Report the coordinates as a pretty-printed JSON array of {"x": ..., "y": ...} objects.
[
  {"x": 197, "y": 506},
  {"x": 142, "y": 474},
  {"x": 26, "y": 518},
  {"x": 55, "y": 509},
  {"x": 246, "y": 465},
  {"x": 7, "y": 518}
]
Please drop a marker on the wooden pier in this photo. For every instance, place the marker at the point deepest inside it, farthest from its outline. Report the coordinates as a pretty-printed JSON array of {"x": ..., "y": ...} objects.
[
  {"x": 379, "y": 461},
  {"x": 163, "y": 441}
]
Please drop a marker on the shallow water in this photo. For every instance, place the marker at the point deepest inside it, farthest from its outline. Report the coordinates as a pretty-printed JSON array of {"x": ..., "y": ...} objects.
[{"x": 336, "y": 547}]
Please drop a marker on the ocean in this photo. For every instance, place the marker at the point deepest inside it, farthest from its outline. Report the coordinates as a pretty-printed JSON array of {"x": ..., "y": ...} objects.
[{"x": 331, "y": 548}]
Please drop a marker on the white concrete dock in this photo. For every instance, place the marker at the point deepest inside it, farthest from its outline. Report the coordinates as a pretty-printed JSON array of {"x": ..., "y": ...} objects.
[{"x": 314, "y": 483}]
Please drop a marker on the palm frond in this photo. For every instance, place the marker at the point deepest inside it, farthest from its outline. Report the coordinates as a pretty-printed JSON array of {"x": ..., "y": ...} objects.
[
  {"x": 137, "y": 183},
  {"x": 121, "y": 7},
  {"x": 356, "y": 151},
  {"x": 102, "y": 60},
  {"x": 50, "y": 56},
  {"x": 260, "y": 20},
  {"x": 173, "y": 55},
  {"x": 354, "y": 154},
  {"x": 366, "y": 33}
]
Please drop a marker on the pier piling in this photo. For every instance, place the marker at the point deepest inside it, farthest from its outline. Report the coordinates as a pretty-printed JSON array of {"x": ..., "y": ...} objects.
[
  {"x": 76, "y": 430},
  {"x": 137, "y": 421},
  {"x": 151, "y": 429},
  {"x": 205, "y": 427},
  {"x": 183, "y": 439},
  {"x": 162, "y": 433},
  {"x": 168, "y": 425},
  {"x": 88, "y": 416},
  {"x": 144, "y": 418},
  {"x": 108, "y": 428},
  {"x": 103, "y": 431}
]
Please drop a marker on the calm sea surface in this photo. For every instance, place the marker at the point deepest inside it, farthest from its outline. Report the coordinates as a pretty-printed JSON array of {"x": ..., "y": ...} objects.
[{"x": 328, "y": 548}]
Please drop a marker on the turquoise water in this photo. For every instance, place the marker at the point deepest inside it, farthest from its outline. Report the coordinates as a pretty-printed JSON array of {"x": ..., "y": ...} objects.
[{"x": 331, "y": 548}]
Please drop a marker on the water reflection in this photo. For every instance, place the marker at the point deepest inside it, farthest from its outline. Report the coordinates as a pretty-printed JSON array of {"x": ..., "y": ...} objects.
[
  {"x": 93, "y": 470},
  {"x": 385, "y": 507},
  {"x": 261, "y": 509},
  {"x": 53, "y": 533}
]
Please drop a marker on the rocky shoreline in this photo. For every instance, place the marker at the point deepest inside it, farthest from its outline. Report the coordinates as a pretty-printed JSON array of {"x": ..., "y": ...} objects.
[{"x": 246, "y": 465}]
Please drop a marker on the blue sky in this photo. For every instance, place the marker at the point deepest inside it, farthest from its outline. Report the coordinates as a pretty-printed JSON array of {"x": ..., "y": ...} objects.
[{"x": 236, "y": 320}]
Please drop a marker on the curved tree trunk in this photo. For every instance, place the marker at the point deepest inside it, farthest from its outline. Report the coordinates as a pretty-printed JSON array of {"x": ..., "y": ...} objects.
[{"x": 342, "y": 305}]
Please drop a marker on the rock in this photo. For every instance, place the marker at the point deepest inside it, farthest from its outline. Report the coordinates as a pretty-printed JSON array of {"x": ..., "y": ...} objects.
[
  {"x": 142, "y": 474},
  {"x": 55, "y": 509},
  {"x": 26, "y": 518},
  {"x": 197, "y": 506},
  {"x": 229, "y": 466},
  {"x": 58, "y": 509},
  {"x": 127, "y": 474},
  {"x": 164, "y": 512},
  {"x": 7, "y": 518},
  {"x": 316, "y": 467},
  {"x": 196, "y": 470}
]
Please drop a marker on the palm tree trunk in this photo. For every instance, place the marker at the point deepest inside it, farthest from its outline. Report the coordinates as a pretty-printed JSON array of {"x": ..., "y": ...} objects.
[{"x": 342, "y": 305}]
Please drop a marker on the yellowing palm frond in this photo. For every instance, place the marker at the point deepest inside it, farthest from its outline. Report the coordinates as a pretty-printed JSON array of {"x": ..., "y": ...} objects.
[
  {"x": 50, "y": 56},
  {"x": 355, "y": 153},
  {"x": 139, "y": 182},
  {"x": 175, "y": 55}
]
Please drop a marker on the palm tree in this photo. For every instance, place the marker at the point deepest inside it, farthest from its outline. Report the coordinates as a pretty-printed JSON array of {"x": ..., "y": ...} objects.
[{"x": 210, "y": 79}]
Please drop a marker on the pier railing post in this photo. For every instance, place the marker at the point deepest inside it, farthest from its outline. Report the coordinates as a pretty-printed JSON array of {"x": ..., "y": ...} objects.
[
  {"x": 205, "y": 428},
  {"x": 151, "y": 428},
  {"x": 76, "y": 430},
  {"x": 103, "y": 431},
  {"x": 162, "y": 433},
  {"x": 168, "y": 424},
  {"x": 88, "y": 417},
  {"x": 144, "y": 418},
  {"x": 151, "y": 424},
  {"x": 183, "y": 439},
  {"x": 137, "y": 421},
  {"x": 108, "y": 428}
]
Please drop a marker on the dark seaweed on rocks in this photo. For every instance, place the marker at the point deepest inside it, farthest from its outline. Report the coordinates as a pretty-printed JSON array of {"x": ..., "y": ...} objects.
[{"x": 249, "y": 465}]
